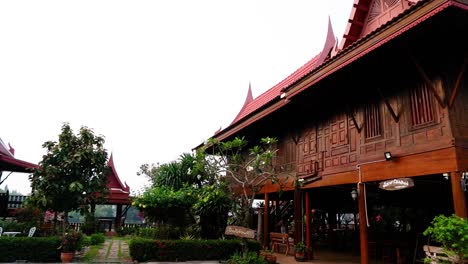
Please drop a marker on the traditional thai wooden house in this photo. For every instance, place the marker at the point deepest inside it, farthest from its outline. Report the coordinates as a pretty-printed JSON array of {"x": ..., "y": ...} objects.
[{"x": 381, "y": 118}]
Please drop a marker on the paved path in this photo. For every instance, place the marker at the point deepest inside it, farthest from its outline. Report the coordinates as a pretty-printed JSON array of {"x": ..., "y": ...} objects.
[{"x": 109, "y": 252}]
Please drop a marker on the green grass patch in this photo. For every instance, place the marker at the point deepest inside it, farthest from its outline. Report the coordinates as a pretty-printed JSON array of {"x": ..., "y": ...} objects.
[
  {"x": 91, "y": 254},
  {"x": 109, "y": 249}
]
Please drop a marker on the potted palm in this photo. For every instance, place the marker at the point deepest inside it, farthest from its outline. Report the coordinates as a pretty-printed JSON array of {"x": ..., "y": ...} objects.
[
  {"x": 299, "y": 251},
  {"x": 69, "y": 243}
]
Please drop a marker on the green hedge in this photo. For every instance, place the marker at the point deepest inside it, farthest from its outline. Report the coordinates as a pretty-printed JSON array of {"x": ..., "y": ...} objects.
[
  {"x": 31, "y": 249},
  {"x": 142, "y": 249}
]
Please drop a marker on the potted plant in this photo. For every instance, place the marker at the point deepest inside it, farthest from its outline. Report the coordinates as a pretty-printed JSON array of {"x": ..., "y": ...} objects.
[
  {"x": 268, "y": 255},
  {"x": 69, "y": 243},
  {"x": 452, "y": 233},
  {"x": 299, "y": 251}
]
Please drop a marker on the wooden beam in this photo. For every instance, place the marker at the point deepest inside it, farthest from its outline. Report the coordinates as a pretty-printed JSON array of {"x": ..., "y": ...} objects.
[
  {"x": 389, "y": 106},
  {"x": 459, "y": 200},
  {"x": 457, "y": 83},
  {"x": 355, "y": 22},
  {"x": 427, "y": 163},
  {"x": 361, "y": 7},
  {"x": 363, "y": 223},
  {"x": 428, "y": 82}
]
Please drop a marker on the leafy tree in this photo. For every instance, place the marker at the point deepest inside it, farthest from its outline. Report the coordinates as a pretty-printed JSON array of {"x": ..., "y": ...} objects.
[
  {"x": 452, "y": 233},
  {"x": 72, "y": 174},
  {"x": 246, "y": 169}
]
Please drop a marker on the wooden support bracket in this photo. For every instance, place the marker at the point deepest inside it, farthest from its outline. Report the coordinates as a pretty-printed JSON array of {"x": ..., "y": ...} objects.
[
  {"x": 353, "y": 118},
  {"x": 389, "y": 106},
  {"x": 428, "y": 82},
  {"x": 457, "y": 83}
]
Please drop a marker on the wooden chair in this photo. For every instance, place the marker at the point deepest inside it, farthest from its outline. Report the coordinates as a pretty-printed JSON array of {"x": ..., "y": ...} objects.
[{"x": 279, "y": 239}]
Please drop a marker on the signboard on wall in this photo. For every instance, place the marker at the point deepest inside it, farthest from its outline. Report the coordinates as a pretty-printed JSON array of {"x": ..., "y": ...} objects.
[
  {"x": 240, "y": 231},
  {"x": 396, "y": 184}
]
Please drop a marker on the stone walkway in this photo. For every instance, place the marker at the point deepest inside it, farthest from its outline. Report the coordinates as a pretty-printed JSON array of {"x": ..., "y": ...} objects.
[{"x": 113, "y": 251}]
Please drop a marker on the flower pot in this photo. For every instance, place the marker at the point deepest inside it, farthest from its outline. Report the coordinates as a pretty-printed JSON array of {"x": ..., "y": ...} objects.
[
  {"x": 269, "y": 257},
  {"x": 299, "y": 256},
  {"x": 66, "y": 257}
]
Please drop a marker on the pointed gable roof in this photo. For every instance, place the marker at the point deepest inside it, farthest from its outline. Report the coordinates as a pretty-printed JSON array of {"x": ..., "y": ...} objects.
[
  {"x": 252, "y": 105},
  {"x": 369, "y": 15},
  {"x": 119, "y": 193},
  {"x": 248, "y": 100}
]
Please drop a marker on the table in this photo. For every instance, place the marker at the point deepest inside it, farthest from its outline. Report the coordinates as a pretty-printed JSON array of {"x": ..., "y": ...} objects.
[{"x": 10, "y": 234}]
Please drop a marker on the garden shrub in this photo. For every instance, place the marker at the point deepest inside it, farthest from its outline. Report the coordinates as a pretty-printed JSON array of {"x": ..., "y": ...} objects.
[
  {"x": 97, "y": 238},
  {"x": 182, "y": 250},
  {"x": 250, "y": 258},
  {"x": 31, "y": 249}
]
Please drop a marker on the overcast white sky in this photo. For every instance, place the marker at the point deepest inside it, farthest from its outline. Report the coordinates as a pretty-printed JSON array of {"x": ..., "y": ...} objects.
[{"x": 156, "y": 78}]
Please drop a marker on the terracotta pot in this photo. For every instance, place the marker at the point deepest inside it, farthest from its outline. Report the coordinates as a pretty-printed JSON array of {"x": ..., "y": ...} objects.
[
  {"x": 270, "y": 258},
  {"x": 299, "y": 256},
  {"x": 66, "y": 257}
]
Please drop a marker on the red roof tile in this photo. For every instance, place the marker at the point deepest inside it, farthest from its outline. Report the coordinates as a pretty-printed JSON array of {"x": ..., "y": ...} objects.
[{"x": 250, "y": 106}]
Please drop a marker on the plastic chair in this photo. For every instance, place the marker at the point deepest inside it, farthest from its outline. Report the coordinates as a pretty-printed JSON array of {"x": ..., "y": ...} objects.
[{"x": 31, "y": 231}]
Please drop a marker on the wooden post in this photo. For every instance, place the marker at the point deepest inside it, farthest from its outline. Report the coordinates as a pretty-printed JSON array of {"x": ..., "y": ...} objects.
[
  {"x": 266, "y": 230},
  {"x": 118, "y": 217},
  {"x": 307, "y": 208},
  {"x": 459, "y": 200},
  {"x": 297, "y": 216},
  {"x": 259, "y": 225},
  {"x": 363, "y": 224}
]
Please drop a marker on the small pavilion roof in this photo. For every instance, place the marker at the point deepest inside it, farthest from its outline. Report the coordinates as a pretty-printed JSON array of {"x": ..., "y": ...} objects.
[
  {"x": 9, "y": 163},
  {"x": 119, "y": 193}
]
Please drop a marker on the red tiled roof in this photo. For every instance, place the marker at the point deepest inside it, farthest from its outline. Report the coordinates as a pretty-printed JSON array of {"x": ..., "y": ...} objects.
[
  {"x": 250, "y": 106},
  {"x": 9, "y": 163},
  {"x": 118, "y": 193},
  {"x": 113, "y": 177}
]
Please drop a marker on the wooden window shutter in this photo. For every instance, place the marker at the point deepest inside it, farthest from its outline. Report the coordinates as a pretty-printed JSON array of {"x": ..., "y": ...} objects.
[
  {"x": 422, "y": 108},
  {"x": 372, "y": 121}
]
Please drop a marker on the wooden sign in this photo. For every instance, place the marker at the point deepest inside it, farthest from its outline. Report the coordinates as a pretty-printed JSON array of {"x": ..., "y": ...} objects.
[
  {"x": 240, "y": 231},
  {"x": 396, "y": 184}
]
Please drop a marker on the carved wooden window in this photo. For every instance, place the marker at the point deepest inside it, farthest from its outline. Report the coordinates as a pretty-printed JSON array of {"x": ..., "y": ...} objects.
[
  {"x": 378, "y": 7},
  {"x": 422, "y": 108},
  {"x": 373, "y": 124}
]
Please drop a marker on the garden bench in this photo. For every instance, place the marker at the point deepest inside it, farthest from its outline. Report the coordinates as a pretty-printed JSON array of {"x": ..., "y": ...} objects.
[
  {"x": 437, "y": 255},
  {"x": 279, "y": 239}
]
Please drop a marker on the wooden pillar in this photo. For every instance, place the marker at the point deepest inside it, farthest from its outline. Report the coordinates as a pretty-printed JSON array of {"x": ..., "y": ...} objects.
[
  {"x": 307, "y": 208},
  {"x": 459, "y": 200},
  {"x": 363, "y": 224},
  {"x": 297, "y": 216},
  {"x": 118, "y": 216},
  {"x": 259, "y": 224},
  {"x": 266, "y": 225}
]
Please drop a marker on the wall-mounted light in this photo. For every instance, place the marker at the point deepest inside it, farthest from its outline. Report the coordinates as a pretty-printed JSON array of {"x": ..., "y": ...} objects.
[
  {"x": 388, "y": 155},
  {"x": 283, "y": 95},
  {"x": 445, "y": 175},
  {"x": 354, "y": 194}
]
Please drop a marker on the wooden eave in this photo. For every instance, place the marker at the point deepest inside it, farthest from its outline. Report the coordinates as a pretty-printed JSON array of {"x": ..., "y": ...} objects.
[
  {"x": 15, "y": 165},
  {"x": 400, "y": 24}
]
